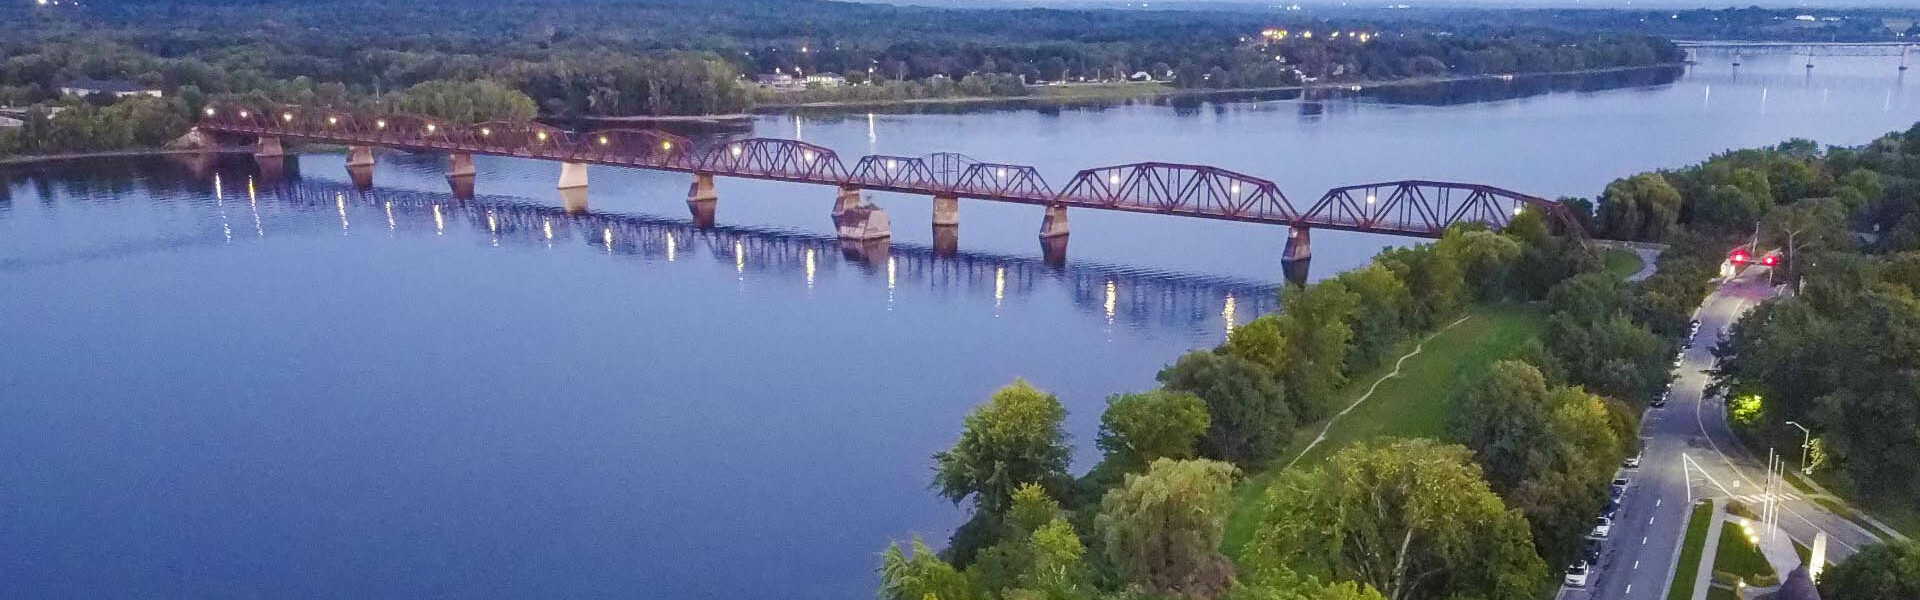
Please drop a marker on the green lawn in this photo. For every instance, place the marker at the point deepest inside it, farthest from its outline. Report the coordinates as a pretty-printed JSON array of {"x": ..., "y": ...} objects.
[
  {"x": 1621, "y": 262},
  {"x": 1742, "y": 558},
  {"x": 1413, "y": 404},
  {"x": 1721, "y": 593},
  {"x": 1690, "y": 549}
]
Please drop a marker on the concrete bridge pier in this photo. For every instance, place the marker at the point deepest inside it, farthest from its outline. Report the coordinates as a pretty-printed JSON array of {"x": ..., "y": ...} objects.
[
  {"x": 1055, "y": 223},
  {"x": 702, "y": 200},
  {"x": 460, "y": 164},
  {"x": 946, "y": 240},
  {"x": 574, "y": 199},
  {"x": 862, "y": 223},
  {"x": 1299, "y": 244},
  {"x": 462, "y": 187},
  {"x": 359, "y": 156},
  {"x": 361, "y": 175},
  {"x": 946, "y": 210},
  {"x": 869, "y": 254},
  {"x": 573, "y": 175},
  {"x": 1053, "y": 251},
  {"x": 847, "y": 199},
  {"x": 269, "y": 147}
]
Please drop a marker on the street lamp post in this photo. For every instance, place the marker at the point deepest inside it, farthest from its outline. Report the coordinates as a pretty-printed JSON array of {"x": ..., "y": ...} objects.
[{"x": 1806, "y": 441}]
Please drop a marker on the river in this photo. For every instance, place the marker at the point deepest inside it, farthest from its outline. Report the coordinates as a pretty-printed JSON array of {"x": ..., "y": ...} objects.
[{"x": 219, "y": 388}]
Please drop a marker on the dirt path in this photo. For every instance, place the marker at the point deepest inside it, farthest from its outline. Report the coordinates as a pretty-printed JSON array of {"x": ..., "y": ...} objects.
[{"x": 1376, "y": 385}]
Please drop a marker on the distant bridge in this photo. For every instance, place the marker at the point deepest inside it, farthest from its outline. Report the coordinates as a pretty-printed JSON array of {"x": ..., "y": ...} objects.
[{"x": 1411, "y": 208}]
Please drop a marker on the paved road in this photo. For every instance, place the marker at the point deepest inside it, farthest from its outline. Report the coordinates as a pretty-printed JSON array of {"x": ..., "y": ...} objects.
[{"x": 1639, "y": 554}]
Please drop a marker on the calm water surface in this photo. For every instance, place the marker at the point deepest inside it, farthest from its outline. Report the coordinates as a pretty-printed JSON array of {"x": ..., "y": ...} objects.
[{"x": 220, "y": 388}]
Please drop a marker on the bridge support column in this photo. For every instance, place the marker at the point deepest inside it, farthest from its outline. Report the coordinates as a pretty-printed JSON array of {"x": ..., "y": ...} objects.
[
  {"x": 1299, "y": 244},
  {"x": 703, "y": 211},
  {"x": 862, "y": 223},
  {"x": 361, "y": 175},
  {"x": 573, "y": 175},
  {"x": 869, "y": 254},
  {"x": 1055, "y": 223},
  {"x": 462, "y": 186},
  {"x": 847, "y": 199},
  {"x": 702, "y": 188},
  {"x": 574, "y": 199},
  {"x": 269, "y": 147},
  {"x": 1053, "y": 250},
  {"x": 359, "y": 156},
  {"x": 946, "y": 240},
  {"x": 946, "y": 210},
  {"x": 460, "y": 164}
]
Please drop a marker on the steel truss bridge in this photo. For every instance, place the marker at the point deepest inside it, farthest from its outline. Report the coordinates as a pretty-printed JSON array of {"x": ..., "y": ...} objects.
[
  {"x": 1411, "y": 208},
  {"x": 1117, "y": 293}
]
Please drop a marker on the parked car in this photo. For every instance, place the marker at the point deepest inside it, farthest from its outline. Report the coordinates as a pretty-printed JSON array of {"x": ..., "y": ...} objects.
[
  {"x": 1577, "y": 574},
  {"x": 1618, "y": 489},
  {"x": 1601, "y": 527},
  {"x": 1660, "y": 402},
  {"x": 1633, "y": 462},
  {"x": 1591, "y": 552},
  {"x": 1611, "y": 510}
]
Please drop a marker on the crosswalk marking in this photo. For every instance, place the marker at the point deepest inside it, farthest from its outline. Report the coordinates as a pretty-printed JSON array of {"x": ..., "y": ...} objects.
[{"x": 1761, "y": 498}]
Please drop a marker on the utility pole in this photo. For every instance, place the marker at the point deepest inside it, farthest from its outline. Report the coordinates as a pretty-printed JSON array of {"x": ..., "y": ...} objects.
[{"x": 1806, "y": 443}]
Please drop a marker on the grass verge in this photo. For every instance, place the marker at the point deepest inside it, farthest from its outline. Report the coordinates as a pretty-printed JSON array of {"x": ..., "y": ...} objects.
[
  {"x": 1621, "y": 262},
  {"x": 1690, "y": 549},
  {"x": 1740, "y": 557},
  {"x": 1413, "y": 404}
]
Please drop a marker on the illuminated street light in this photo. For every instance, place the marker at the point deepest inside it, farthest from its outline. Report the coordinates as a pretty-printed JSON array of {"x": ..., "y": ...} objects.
[{"x": 210, "y": 111}]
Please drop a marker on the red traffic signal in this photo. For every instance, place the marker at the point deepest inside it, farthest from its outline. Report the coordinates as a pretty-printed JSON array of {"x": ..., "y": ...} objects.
[{"x": 1740, "y": 257}]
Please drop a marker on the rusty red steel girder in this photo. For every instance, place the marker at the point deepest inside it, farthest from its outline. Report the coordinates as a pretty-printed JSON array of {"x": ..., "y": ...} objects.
[{"x": 1412, "y": 207}]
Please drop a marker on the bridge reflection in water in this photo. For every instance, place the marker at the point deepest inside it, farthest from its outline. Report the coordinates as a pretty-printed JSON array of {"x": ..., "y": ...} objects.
[{"x": 1118, "y": 294}]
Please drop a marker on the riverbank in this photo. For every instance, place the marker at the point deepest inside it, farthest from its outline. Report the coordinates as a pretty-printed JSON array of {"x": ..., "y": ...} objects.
[
  {"x": 1140, "y": 90},
  {"x": 46, "y": 158}
]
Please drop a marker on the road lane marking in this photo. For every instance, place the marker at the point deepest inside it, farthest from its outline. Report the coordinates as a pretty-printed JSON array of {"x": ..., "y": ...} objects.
[
  {"x": 1643, "y": 541},
  {"x": 1649, "y": 520},
  {"x": 1629, "y": 588},
  {"x": 1656, "y": 501},
  {"x": 1636, "y": 565}
]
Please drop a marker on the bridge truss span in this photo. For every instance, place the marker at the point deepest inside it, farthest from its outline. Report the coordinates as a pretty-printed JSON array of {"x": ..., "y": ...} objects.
[{"x": 1412, "y": 207}]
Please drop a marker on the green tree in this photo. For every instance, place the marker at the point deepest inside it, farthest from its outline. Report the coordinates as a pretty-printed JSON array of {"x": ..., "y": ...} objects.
[
  {"x": 921, "y": 575},
  {"x": 1411, "y": 518},
  {"x": 1313, "y": 322},
  {"x": 1248, "y": 417},
  {"x": 1641, "y": 207},
  {"x": 1883, "y": 571},
  {"x": 1163, "y": 528},
  {"x": 1013, "y": 440},
  {"x": 1378, "y": 320},
  {"x": 467, "y": 101},
  {"x": 1137, "y": 429}
]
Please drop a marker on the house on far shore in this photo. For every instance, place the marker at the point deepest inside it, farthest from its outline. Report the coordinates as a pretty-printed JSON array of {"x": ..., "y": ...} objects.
[
  {"x": 10, "y": 122},
  {"x": 116, "y": 88},
  {"x": 826, "y": 80},
  {"x": 775, "y": 79}
]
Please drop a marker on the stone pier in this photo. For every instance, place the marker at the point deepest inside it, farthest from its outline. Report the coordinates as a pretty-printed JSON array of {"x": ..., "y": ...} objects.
[
  {"x": 359, "y": 156},
  {"x": 862, "y": 223},
  {"x": 1299, "y": 244},
  {"x": 269, "y": 147},
  {"x": 1053, "y": 251},
  {"x": 574, "y": 199},
  {"x": 1054, "y": 225},
  {"x": 702, "y": 211},
  {"x": 573, "y": 175},
  {"x": 460, "y": 164},
  {"x": 847, "y": 199},
  {"x": 361, "y": 175},
  {"x": 702, "y": 188},
  {"x": 462, "y": 187},
  {"x": 868, "y": 254},
  {"x": 946, "y": 240},
  {"x": 946, "y": 211}
]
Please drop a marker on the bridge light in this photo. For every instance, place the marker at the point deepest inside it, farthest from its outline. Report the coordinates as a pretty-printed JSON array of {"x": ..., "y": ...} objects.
[
  {"x": 541, "y": 135},
  {"x": 1234, "y": 189},
  {"x": 380, "y": 124},
  {"x": 431, "y": 127},
  {"x": 735, "y": 149},
  {"x": 603, "y": 140},
  {"x": 1370, "y": 198},
  {"x": 666, "y": 145},
  {"x": 243, "y": 114},
  {"x": 210, "y": 111},
  {"x": 1002, "y": 174},
  {"x": 891, "y": 164},
  {"x": 287, "y": 116},
  {"x": 1517, "y": 209},
  {"x": 807, "y": 155},
  {"x": 333, "y": 120},
  {"x": 486, "y": 131},
  {"x": 1113, "y": 178}
]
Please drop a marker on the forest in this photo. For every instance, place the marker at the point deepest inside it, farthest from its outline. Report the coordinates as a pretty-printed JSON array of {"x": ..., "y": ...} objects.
[{"x": 677, "y": 57}]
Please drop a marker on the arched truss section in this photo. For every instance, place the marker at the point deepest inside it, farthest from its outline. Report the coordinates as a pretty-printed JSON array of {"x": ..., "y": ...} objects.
[
  {"x": 239, "y": 116},
  {"x": 1429, "y": 207},
  {"x": 1177, "y": 188},
  {"x": 526, "y": 138},
  {"x": 949, "y": 167},
  {"x": 639, "y": 147},
  {"x": 885, "y": 171},
  {"x": 769, "y": 158},
  {"x": 1001, "y": 181}
]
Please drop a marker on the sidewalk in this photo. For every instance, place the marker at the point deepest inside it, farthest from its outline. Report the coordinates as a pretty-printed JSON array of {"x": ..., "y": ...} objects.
[
  {"x": 1861, "y": 515},
  {"x": 1703, "y": 579}
]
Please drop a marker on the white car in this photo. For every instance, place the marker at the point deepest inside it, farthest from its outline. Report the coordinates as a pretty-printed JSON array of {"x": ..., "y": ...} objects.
[
  {"x": 1601, "y": 527},
  {"x": 1632, "y": 462},
  {"x": 1577, "y": 574}
]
